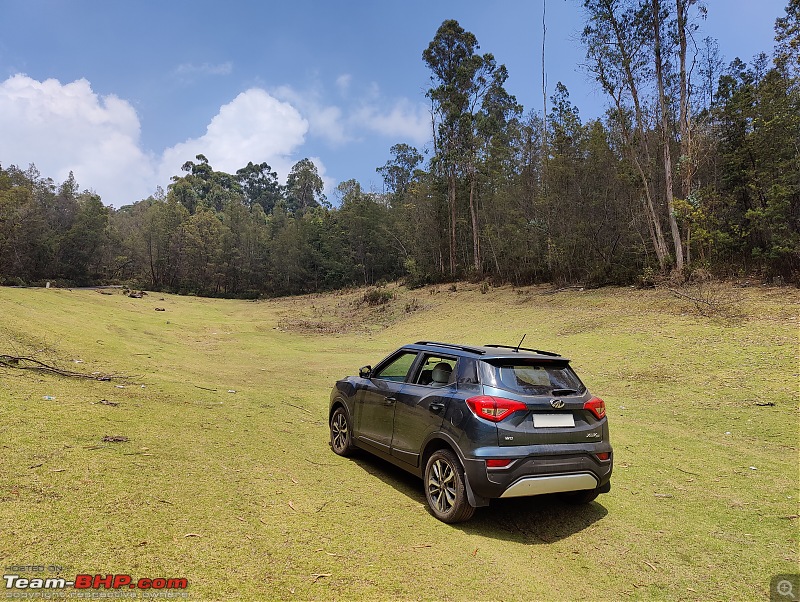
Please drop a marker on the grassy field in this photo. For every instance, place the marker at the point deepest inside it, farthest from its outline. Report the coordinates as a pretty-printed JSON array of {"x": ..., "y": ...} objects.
[{"x": 226, "y": 477}]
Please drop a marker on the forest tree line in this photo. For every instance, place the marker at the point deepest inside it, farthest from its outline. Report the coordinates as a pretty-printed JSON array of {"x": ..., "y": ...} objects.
[{"x": 695, "y": 165}]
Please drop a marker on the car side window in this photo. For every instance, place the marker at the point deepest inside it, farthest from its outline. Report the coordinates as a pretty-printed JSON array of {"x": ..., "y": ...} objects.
[
  {"x": 436, "y": 371},
  {"x": 397, "y": 369}
]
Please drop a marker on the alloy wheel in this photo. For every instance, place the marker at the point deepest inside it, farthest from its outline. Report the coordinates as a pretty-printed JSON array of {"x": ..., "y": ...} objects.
[
  {"x": 441, "y": 485},
  {"x": 339, "y": 432}
]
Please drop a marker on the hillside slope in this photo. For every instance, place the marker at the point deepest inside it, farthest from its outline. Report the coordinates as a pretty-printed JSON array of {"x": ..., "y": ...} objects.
[{"x": 225, "y": 476}]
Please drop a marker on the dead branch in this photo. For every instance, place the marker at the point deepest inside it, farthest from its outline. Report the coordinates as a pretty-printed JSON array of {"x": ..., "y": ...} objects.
[
  {"x": 696, "y": 299},
  {"x": 710, "y": 299},
  {"x": 574, "y": 287},
  {"x": 29, "y": 363}
]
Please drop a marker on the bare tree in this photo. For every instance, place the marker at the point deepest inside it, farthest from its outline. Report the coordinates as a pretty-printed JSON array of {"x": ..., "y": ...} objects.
[
  {"x": 616, "y": 38},
  {"x": 657, "y": 18}
]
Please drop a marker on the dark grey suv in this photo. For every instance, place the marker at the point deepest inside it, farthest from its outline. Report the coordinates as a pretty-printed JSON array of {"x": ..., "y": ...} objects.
[{"x": 476, "y": 423}]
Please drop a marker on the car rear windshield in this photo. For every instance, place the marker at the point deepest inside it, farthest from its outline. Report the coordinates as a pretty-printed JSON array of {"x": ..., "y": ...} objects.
[{"x": 531, "y": 377}]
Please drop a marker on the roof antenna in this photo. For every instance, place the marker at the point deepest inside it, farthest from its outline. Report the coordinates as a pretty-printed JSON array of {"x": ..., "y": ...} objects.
[{"x": 520, "y": 342}]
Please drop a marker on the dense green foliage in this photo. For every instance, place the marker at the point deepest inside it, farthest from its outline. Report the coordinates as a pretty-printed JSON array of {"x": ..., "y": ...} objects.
[{"x": 508, "y": 197}]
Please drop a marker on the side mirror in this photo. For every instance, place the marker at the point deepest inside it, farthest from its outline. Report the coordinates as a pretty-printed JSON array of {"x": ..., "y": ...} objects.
[{"x": 365, "y": 371}]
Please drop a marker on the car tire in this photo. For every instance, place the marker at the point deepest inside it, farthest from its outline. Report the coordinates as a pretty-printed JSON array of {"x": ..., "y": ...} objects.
[
  {"x": 341, "y": 433},
  {"x": 445, "y": 488},
  {"x": 584, "y": 496}
]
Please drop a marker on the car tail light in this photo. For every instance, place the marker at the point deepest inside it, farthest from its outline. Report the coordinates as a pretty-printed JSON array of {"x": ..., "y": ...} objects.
[
  {"x": 603, "y": 456},
  {"x": 498, "y": 463},
  {"x": 596, "y": 406},
  {"x": 494, "y": 408}
]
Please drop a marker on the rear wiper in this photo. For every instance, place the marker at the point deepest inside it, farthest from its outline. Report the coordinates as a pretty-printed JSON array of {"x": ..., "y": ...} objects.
[{"x": 564, "y": 391}]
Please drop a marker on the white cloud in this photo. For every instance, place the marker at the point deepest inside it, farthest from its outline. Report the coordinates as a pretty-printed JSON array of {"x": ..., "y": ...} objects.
[
  {"x": 204, "y": 69},
  {"x": 67, "y": 127},
  {"x": 403, "y": 120},
  {"x": 343, "y": 83},
  {"x": 254, "y": 126},
  {"x": 325, "y": 121},
  {"x": 339, "y": 126}
]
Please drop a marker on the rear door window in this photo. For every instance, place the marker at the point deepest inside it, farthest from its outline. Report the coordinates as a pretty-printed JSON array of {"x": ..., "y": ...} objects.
[{"x": 436, "y": 371}]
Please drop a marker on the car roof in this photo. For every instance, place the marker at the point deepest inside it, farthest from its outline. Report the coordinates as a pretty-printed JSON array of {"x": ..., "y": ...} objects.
[{"x": 487, "y": 352}]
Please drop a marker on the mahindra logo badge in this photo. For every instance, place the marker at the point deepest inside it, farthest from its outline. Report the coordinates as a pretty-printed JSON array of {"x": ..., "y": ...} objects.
[{"x": 557, "y": 403}]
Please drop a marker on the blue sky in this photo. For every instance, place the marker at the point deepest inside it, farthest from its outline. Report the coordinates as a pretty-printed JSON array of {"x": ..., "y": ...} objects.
[{"x": 124, "y": 92}]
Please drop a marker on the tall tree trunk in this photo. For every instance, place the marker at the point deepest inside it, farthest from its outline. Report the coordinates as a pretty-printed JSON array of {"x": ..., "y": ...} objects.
[
  {"x": 656, "y": 232},
  {"x": 476, "y": 239},
  {"x": 686, "y": 161},
  {"x": 545, "y": 152},
  {"x": 665, "y": 137},
  {"x": 154, "y": 278},
  {"x": 451, "y": 197},
  {"x": 653, "y": 221}
]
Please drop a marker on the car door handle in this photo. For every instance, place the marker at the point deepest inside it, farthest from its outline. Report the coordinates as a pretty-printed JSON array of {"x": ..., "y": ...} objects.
[
  {"x": 389, "y": 400},
  {"x": 436, "y": 407}
]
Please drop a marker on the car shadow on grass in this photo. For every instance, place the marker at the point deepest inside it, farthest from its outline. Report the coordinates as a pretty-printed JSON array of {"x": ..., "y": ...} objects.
[
  {"x": 542, "y": 519},
  {"x": 404, "y": 482}
]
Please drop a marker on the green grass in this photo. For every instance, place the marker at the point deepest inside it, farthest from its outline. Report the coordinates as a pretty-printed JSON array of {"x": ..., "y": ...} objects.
[{"x": 240, "y": 493}]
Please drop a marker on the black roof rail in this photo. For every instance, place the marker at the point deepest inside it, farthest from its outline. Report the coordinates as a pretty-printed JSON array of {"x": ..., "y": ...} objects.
[
  {"x": 539, "y": 351},
  {"x": 451, "y": 346}
]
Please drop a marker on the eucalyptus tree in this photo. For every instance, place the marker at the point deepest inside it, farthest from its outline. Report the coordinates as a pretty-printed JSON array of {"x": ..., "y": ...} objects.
[
  {"x": 657, "y": 17},
  {"x": 202, "y": 186},
  {"x": 204, "y": 266},
  {"x": 787, "y": 41},
  {"x": 464, "y": 85},
  {"x": 632, "y": 46},
  {"x": 617, "y": 35},
  {"x": 259, "y": 185},
  {"x": 490, "y": 142},
  {"x": 399, "y": 172},
  {"x": 709, "y": 67},
  {"x": 23, "y": 227},
  {"x": 82, "y": 248},
  {"x": 304, "y": 187},
  {"x": 367, "y": 235},
  {"x": 163, "y": 238},
  {"x": 453, "y": 63},
  {"x": 684, "y": 30}
]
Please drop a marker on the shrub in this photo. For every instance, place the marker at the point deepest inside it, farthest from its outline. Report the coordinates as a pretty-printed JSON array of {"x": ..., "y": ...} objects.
[
  {"x": 412, "y": 306},
  {"x": 377, "y": 296}
]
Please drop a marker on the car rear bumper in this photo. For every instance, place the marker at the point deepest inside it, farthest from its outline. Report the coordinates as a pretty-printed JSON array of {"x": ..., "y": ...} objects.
[
  {"x": 538, "y": 474},
  {"x": 553, "y": 484}
]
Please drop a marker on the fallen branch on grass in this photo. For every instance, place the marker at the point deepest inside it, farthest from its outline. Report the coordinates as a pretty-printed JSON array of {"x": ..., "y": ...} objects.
[
  {"x": 574, "y": 287},
  {"x": 28, "y": 363},
  {"x": 710, "y": 300},
  {"x": 697, "y": 299}
]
